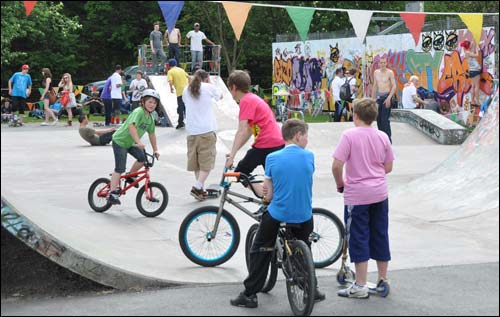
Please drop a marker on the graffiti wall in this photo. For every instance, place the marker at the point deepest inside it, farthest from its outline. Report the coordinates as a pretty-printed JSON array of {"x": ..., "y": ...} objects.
[{"x": 308, "y": 68}]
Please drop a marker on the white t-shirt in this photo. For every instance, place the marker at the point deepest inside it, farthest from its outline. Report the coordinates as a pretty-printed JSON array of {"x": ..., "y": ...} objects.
[
  {"x": 116, "y": 79},
  {"x": 196, "y": 39},
  {"x": 200, "y": 117},
  {"x": 336, "y": 84},
  {"x": 137, "y": 86},
  {"x": 408, "y": 93}
]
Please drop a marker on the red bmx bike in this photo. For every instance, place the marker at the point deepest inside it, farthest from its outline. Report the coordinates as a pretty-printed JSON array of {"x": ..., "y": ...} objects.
[{"x": 152, "y": 198}]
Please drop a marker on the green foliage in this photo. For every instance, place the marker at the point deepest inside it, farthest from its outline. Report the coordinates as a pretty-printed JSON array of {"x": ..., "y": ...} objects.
[{"x": 87, "y": 38}]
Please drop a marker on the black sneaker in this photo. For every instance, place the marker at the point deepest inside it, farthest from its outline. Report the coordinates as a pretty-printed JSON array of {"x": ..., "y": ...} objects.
[
  {"x": 179, "y": 126},
  {"x": 199, "y": 194},
  {"x": 245, "y": 301},
  {"x": 113, "y": 197},
  {"x": 130, "y": 180},
  {"x": 319, "y": 296}
]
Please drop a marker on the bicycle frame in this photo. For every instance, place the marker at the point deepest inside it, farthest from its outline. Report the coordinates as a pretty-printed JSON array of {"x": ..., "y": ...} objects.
[{"x": 226, "y": 197}]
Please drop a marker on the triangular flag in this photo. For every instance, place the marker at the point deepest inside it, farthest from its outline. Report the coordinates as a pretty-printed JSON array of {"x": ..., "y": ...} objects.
[
  {"x": 237, "y": 14},
  {"x": 79, "y": 87},
  {"x": 30, "y": 105},
  {"x": 414, "y": 22},
  {"x": 77, "y": 92},
  {"x": 171, "y": 11},
  {"x": 41, "y": 90},
  {"x": 302, "y": 18},
  {"x": 474, "y": 22},
  {"x": 56, "y": 89},
  {"x": 83, "y": 96},
  {"x": 28, "y": 6},
  {"x": 360, "y": 20}
]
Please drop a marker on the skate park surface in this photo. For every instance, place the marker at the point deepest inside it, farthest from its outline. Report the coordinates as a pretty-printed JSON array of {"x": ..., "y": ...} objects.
[{"x": 443, "y": 200}]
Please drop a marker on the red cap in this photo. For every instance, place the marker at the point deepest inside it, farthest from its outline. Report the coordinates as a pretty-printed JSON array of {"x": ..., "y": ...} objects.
[
  {"x": 465, "y": 44},
  {"x": 25, "y": 66}
]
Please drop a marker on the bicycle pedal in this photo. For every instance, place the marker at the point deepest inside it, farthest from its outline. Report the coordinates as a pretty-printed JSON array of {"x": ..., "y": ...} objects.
[{"x": 154, "y": 200}]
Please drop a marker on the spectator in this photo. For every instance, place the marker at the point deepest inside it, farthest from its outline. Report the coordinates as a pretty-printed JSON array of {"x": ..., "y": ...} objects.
[
  {"x": 47, "y": 83},
  {"x": 337, "y": 82},
  {"x": 410, "y": 96},
  {"x": 116, "y": 94},
  {"x": 20, "y": 88},
  {"x": 137, "y": 86},
  {"x": 156, "y": 42},
  {"x": 66, "y": 87},
  {"x": 384, "y": 89},
  {"x": 92, "y": 136},
  {"x": 6, "y": 110},
  {"x": 201, "y": 126},
  {"x": 173, "y": 39},
  {"x": 472, "y": 54},
  {"x": 197, "y": 37},
  {"x": 178, "y": 78},
  {"x": 108, "y": 102},
  {"x": 96, "y": 106}
]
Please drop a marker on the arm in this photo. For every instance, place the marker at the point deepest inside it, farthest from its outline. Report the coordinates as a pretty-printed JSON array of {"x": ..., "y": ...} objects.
[
  {"x": 416, "y": 98},
  {"x": 337, "y": 171},
  {"x": 209, "y": 42},
  {"x": 242, "y": 135},
  {"x": 388, "y": 167},
  {"x": 10, "y": 87},
  {"x": 268, "y": 189},
  {"x": 104, "y": 131},
  {"x": 133, "y": 133},
  {"x": 152, "y": 139},
  {"x": 374, "y": 88},
  {"x": 171, "y": 83},
  {"x": 393, "y": 90}
]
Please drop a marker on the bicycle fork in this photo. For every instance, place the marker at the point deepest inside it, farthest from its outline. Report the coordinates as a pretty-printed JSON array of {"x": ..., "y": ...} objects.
[{"x": 212, "y": 234}]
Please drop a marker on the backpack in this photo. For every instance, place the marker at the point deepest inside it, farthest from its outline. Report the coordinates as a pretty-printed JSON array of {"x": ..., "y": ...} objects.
[{"x": 345, "y": 91}]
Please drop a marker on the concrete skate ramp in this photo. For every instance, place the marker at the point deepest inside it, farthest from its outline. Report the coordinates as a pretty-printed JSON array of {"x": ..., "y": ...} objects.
[
  {"x": 464, "y": 185},
  {"x": 46, "y": 173}
]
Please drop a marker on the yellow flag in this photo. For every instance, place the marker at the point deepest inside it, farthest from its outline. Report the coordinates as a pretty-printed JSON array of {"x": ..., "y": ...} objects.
[
  {"x": 79, "y": 87},
  {"x": 474, "y": 22},
  {"x": 237, "y": 14}
]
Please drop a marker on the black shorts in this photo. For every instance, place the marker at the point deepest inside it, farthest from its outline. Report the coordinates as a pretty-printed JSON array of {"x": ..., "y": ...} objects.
[
  {"x": 18, "y": 104},
  {"x": 254, "y": 158}
]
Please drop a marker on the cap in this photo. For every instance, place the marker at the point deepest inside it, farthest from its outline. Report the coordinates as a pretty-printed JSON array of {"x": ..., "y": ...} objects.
[
  {"x": 196, "y": 24},
  {"x": 25, "y": 66},
  {"x": 172, "y": 62},
  {"x": 465, "y": 44}
]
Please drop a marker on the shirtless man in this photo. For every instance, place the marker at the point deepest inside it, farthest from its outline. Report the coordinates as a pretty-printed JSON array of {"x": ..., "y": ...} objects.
[{"x": 384, "y": 88}]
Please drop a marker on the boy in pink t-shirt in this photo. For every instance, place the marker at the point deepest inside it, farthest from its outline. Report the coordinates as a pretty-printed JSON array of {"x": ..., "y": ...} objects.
[
  {"x": 367, "y": 155},
  {"x": 255, "y": 118}
]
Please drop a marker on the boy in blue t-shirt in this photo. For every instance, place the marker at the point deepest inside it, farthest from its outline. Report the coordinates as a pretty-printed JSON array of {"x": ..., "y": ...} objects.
[
  {"x": 290, "y": 196},
  {"x": 20, "y": 89}
]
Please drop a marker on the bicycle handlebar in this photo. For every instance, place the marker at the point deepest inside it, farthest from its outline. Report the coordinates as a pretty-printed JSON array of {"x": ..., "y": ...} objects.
[{"x": 242, "y": 178}]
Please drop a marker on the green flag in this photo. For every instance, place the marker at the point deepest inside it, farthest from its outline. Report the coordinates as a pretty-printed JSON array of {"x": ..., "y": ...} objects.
[{"x": 302, "y": 19}]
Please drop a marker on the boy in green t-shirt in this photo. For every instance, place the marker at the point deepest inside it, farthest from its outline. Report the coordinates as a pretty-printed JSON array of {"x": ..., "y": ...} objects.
[{"x": 127, "y": 139}]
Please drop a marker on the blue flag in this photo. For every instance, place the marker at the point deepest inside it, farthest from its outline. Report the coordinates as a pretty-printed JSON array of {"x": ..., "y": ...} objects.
[{"x": 171, "y": 11}]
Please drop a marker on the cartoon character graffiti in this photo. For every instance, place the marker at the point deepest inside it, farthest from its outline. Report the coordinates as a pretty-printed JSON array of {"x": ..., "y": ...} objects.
[
  {"x": 334, "y": 53},
  {"x": 438, "y": 42},
  {"x": 426, "y": 42},
  {"x": 451, "y": 40}
]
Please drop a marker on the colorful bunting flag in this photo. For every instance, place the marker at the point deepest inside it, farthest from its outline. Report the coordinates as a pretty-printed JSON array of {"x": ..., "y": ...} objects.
[
  {"x": 415, "y": 23},
  {"x": 28, "y": 6},
  {"x": 302, "y": 18},
  {"x": 474, "y": 22},
  {"x": 171, "y": 11},
  {"x": 360, "y": 20},
  {"x": 237, "y": 14}
]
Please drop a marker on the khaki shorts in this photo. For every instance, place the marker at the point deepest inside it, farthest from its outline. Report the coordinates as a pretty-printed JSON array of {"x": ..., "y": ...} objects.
[{"x": 201, "y": 152}]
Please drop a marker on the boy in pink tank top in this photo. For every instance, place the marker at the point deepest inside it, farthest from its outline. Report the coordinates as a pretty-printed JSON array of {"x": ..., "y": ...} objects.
[{"x": 367, "y": 155}]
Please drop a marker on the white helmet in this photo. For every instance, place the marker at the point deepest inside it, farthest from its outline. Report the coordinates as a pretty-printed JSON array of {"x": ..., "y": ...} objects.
[{"x": 151, "y": 93}]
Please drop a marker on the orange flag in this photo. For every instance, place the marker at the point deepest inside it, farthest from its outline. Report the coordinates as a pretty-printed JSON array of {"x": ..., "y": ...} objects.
[
  {"x": 414, "y": 22},
  {"x": 28, "y": 6},
  {"x": 237, "y": 14}
]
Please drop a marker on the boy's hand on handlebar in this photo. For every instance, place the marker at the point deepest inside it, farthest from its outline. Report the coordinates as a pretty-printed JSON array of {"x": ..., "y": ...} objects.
[
  {"x": 157, "y": 155},
  {"x": 229, "y": 161},
  {"x": 140, "y": 145}
]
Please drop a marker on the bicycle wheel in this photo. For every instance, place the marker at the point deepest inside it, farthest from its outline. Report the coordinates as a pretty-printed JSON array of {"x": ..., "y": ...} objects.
[
  {"x": 272, "y": 273},
  {"x": 300, "y": 282},
  {"x": 196, "y": 238},
  {"x": 158, "y": 203},
  {"x": 97, "y": 195},
  {"x": 327, "y": 238}
]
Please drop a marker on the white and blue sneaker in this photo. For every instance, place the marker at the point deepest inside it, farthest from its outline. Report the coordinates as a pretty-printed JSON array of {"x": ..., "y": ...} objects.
[{"x": 355, "y": 291}]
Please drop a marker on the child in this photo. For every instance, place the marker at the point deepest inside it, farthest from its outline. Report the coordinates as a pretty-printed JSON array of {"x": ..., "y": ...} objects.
[
  {"x": 290, "y": 195},
  {"x": 127, "y": 139},
  {"x": 368, "y": 156},
  {"x": 96, "y": 106},
  {"x": 6, "y": 110}
]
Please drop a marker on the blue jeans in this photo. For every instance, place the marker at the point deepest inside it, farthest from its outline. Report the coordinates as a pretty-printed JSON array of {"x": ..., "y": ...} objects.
[
  {"x": 384, "y": 113},
  {"x": 159, "y": 51},
  {"x": 121, "y": 156},
  {"x": 173, "y": 52},
  {"x": 196, "y": 59}
]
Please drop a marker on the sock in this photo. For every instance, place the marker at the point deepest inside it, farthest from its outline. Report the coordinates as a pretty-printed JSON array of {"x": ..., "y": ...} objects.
[
  {"x": 198, "y": 185},
  {"x": 112, "y": 120}
]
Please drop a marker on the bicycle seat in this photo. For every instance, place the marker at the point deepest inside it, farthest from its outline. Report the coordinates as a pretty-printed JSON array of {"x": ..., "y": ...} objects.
[{"x": 290, "y": 225}]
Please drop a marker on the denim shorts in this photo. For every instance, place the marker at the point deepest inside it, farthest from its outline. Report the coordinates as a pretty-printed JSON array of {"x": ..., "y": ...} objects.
[
  {"x": 121, "y": 156},
  {"x": 474, "y": 73}
]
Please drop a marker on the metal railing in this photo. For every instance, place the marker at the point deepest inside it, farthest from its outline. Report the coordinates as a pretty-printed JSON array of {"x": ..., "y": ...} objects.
[{"x": 211, "y": 59}]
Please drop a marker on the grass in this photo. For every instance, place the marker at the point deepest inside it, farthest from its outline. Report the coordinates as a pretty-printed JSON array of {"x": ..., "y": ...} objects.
[{"x": 64, "y": 119}]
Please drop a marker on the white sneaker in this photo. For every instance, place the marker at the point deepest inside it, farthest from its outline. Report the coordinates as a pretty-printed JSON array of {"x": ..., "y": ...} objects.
[
  {"x": 55, "y": 122},
  {"x": 355, "y": 291},
  {"x": 44, "y": 123}
]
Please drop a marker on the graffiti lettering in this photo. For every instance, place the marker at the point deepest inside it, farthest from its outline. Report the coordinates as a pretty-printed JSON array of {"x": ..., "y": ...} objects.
[
  {"x": 282, "y": 71},
  {"x": 425, "y": 66},
  {"x": 454, "y": 79}
]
